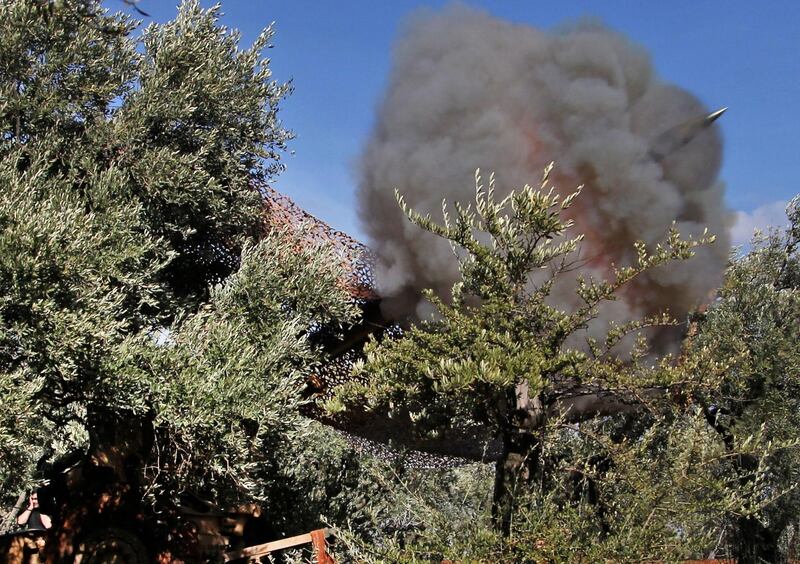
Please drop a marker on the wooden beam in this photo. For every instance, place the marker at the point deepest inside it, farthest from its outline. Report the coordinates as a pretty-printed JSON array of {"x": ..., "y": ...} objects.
[{"x": 268, "y": 547}]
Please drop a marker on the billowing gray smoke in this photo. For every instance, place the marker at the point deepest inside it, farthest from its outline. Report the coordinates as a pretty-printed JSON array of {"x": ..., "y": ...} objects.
[{"x": 470, "y": 91}]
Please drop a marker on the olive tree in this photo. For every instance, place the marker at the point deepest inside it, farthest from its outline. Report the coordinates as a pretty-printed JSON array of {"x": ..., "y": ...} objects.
[
  {"x": 603, "y": 454},
  {"x": 150, "y": 318}
]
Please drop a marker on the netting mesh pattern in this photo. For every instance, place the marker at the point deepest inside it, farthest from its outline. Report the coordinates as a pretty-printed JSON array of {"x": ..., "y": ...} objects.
[{"x": 282, "y": 212}]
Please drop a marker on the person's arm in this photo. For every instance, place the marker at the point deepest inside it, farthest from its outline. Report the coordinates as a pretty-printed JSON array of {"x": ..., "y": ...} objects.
[
  {"x": 46, "y": 521},
  {"x": 24, "y": 516}
]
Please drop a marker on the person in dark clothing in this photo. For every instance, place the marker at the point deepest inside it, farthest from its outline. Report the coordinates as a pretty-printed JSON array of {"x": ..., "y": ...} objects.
[
  {"x": 30, "y": 542},
  {"x": 27, "y": 544},
  {"x": 32, "y": 518}
]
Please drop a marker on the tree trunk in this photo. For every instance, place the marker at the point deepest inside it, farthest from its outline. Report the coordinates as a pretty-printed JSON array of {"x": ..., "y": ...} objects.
[
  {"x": 101, "y": 488},
  {"x": 755, "y": 543},
  {"x": 10, "y": 519},
  {"x": 513, "y": 471},
  {"x": 518, "y": 461}
]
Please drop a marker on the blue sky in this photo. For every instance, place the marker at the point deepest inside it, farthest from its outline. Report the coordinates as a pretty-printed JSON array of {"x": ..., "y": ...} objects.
[{"x": 740, "y": 54}]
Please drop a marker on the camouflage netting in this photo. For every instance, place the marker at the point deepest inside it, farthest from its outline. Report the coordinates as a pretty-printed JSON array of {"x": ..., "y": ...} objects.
[
  {"x": 369, "y": 433},
  {"x": 281, "y": 211}
]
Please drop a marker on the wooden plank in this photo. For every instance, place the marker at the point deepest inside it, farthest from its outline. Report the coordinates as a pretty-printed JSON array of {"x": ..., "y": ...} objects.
[
  {"x": 321, "y": 547},
  {"x": 267, "y": 547}
]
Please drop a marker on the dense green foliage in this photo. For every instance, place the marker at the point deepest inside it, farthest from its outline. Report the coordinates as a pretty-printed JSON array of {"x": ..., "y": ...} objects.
[
  {"x": 150, "y": 321},
  {"x": 226, "y": 386},
  {"x": 756, "y": 321},
  {"x": 500, "y": 332},
  {"x": 658, "y": 460},
  {"x": 138, "y": 293}
]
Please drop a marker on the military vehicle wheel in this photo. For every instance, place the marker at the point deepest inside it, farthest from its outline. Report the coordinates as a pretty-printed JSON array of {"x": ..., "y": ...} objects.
[{"x": 111, "y": 546}]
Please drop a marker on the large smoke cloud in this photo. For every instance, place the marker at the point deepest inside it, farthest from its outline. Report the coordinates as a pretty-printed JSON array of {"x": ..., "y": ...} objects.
[{"x": 468, "y": 91}]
